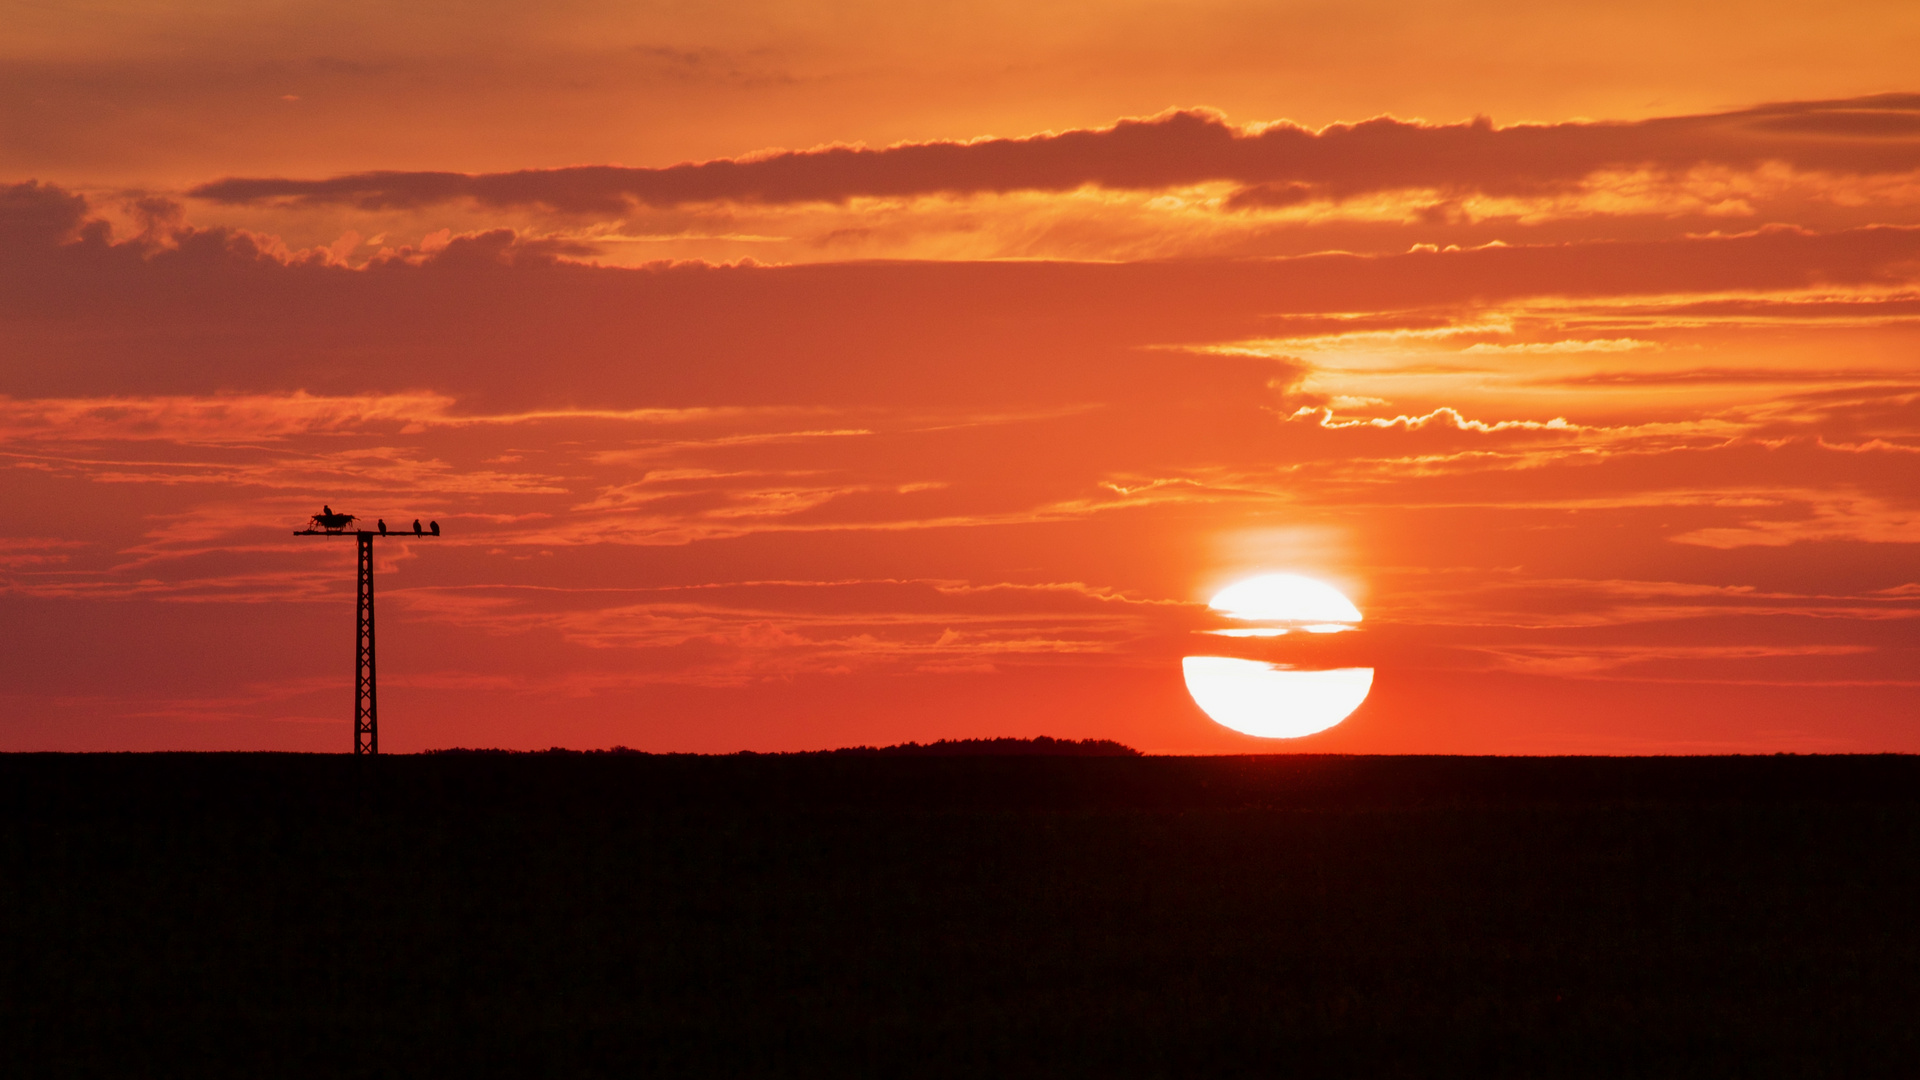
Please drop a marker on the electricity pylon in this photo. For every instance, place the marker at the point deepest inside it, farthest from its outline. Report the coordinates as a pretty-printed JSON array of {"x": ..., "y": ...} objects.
[{"x": 366, "y": 701}]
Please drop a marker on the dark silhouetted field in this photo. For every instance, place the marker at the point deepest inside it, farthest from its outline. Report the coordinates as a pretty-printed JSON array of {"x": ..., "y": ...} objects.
[{"x": 934, "y": 915}]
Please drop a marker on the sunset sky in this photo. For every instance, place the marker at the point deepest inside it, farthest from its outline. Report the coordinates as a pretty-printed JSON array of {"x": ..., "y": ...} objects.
[{"x": 790, "y": 376}]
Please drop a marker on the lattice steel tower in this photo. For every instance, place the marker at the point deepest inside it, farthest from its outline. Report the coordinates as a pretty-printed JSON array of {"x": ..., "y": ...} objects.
[{"x": 366, "y": 699}]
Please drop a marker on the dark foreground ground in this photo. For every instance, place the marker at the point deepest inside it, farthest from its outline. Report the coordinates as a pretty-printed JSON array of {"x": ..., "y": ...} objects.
[{"x": 623, "y": 915}]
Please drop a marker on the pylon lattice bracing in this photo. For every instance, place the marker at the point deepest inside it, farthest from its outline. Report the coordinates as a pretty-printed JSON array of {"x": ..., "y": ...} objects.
[{"x": 366, "y": 708}]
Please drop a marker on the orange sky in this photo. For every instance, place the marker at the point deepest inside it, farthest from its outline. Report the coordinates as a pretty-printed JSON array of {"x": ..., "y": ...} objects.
[{"x": 797, "y": 376}]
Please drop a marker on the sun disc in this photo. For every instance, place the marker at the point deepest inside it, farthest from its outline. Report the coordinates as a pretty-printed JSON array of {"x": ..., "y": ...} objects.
[{"x": 1272, "y": 701}]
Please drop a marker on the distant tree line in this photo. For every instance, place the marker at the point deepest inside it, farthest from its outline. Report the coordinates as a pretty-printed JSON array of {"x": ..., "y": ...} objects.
[
  {"x": 1041, "y": 746},
  {"x": 1005, "y": 746}
]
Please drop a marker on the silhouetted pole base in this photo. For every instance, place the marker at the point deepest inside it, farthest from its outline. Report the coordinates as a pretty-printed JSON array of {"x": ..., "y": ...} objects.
[{"x": 366, "y": 706}]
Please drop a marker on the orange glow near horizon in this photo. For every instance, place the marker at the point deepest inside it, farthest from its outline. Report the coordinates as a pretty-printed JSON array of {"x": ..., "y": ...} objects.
[{"x": 793, "y": 377}]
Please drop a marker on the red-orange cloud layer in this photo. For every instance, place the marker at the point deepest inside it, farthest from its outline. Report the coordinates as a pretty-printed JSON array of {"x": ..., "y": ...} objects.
[{"x": 1631, "y": 485}]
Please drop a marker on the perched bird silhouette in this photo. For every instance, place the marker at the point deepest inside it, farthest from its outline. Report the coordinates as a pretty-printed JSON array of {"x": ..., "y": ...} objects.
[
  {"x": 435, "y": 526},
  {"x": 325, "y": 509},
  {"x": 416, "y": 526},
  {"x": 383, "y": 526}
]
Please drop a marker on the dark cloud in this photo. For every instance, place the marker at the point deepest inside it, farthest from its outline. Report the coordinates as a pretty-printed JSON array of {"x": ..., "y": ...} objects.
[
  {"x": 1279, "y": 164},
  {"x": 35, "y": 215},
  {"x": 501, "y": 318},
  {"x": 502, "y": 247}
]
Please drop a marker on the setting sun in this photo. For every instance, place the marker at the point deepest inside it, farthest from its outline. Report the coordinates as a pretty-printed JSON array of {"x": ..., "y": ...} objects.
[
  {"x": 1276, "y": 700},
  {"x": 1273, "y": 701}
]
